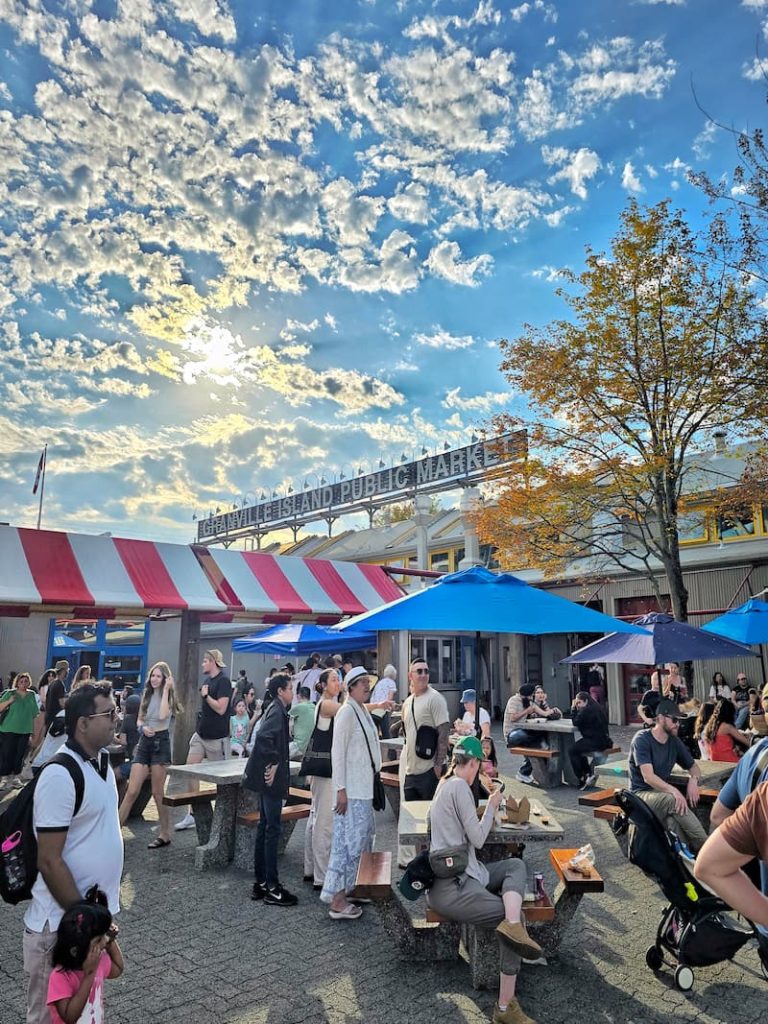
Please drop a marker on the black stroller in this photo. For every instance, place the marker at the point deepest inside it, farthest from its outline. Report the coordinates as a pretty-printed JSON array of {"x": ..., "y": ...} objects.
[{"x": 696, "y": 928}]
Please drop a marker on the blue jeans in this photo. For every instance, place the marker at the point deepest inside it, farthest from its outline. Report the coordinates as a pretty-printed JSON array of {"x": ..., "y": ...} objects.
[
  {"x": 521, "y": 738},
  {"x": 267, "y": 838}
]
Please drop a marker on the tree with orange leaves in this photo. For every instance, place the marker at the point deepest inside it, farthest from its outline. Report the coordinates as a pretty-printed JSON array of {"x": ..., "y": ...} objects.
[{"x": 665, "y": 344}]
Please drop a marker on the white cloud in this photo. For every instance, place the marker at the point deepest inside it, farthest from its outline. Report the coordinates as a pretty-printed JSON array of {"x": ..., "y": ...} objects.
[
  {"x": 442, "y": 339},
  {"x": 484, "y": 403},
  {"x": 575, "y": 167},
  {"x": 630, "y": 180},
  {"x": 445, "y": 261}
]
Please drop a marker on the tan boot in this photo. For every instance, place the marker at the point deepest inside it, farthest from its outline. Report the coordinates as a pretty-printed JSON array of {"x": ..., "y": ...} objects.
[
  {"x": 513, "y": 1014},
  {"x": 518, "y": 938}
]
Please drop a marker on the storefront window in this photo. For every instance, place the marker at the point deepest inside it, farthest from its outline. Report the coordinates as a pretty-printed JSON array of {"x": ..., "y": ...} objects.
[
  {"x": 739, "y": 523},
  {"x": 692, "y": 526},
  {"x": 440, "y": 561}
]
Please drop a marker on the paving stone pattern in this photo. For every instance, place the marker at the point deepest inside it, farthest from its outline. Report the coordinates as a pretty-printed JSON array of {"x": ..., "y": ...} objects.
[{"x": 198, "y": 951}]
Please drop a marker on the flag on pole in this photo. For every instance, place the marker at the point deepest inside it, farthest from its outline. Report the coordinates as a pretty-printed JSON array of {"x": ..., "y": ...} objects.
[{"x": 40, "y": 471}]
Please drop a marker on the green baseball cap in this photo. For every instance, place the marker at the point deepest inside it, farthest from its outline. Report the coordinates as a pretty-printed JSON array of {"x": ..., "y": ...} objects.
[{"x": 471, "y": 746}]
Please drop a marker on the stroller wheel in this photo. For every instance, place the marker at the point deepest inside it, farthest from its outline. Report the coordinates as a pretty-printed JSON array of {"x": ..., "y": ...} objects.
[
  {"x": 654, "y": 958},
  {"x": 684, "y": 978}
]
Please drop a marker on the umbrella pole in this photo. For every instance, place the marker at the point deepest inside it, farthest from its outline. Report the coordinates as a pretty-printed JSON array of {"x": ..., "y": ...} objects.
[{"x": 477, "y": 682}]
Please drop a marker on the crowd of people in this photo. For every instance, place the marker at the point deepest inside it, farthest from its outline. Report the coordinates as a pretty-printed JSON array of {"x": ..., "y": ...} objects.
[{"x": 331, "y": 716}]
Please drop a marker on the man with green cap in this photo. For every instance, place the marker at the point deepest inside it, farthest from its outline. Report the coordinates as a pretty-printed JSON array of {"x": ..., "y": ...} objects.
[{"x": 485, "y": 895}]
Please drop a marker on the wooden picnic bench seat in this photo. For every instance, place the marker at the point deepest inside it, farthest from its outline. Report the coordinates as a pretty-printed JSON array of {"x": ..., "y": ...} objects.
[
  {"x": 572, "y": 880},
  {"x": 245, "y": 831},
  {"x": 598, "y": 798},
  {"x": 545, "y": 752},
  {"x": 545, "y": 762},
  {"x": 606, "y": 812},
  {"x": 374, "y": 876},
  {"x": 296, "y": 795},
  {"x": 390, "y": 766},
  {"x": 192, "y": 796}
]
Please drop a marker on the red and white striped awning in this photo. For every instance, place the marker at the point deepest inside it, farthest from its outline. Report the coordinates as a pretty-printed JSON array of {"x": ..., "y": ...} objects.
[
  {"x": 95, "y": 575},
  {"x": 283, "y": 588},
  {"x": 98, "y": 577}
]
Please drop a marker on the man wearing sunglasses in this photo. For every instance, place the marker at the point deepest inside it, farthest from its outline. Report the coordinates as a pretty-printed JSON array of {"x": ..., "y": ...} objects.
[
  {"x": 425, "y": 715},
  {"x": 653, "y": 755},
  {"x": 79, "y": 840}
]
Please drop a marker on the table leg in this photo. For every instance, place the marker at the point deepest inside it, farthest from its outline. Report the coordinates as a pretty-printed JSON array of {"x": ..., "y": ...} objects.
[
  {"x": 566, "y": 742},
  {"x": 219, "y": 850}
]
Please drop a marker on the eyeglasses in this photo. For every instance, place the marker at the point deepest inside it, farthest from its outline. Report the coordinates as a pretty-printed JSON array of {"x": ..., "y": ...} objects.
[
  {"x": 673, "y": 719},
  {"x": 741, "y": 679},
  {"x": 103, "y": 714},
  {"x": 420, "y": 671}
]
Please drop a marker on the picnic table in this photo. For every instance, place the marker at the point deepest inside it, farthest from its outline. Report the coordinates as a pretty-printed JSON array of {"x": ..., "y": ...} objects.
[
  {"x": 711, "y": 772},
  {"x": 216, "y": 830},
  {"x": 392, "y": 748},
  {"x": 503, "y": 840},
  {"x": 561, "y": 731}
]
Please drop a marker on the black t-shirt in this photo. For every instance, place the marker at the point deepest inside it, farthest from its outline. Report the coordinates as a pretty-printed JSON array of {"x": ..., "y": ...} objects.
[
  {"x": 740, "y": 694},
  {"x": 56, "y": 691},
  {"x": 130, "y": 707},
  {"x": 210, "y": 725}
]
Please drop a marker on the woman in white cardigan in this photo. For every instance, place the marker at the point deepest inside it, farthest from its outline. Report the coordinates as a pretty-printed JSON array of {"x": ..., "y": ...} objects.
[{"x": 355, "y": 756}]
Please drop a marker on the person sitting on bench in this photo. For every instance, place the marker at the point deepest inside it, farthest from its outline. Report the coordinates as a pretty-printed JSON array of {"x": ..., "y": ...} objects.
[
  {"x": 521, "y": 707},
  {"x": 487, "y": 896},
  {"x": 589, "y": 718}
]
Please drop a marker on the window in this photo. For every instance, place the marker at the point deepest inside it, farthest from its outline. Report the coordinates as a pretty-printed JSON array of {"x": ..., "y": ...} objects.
[
  {"x": 440, "y": 561},
  {"x": 692, "y": 526},
  {"x": 737, "y": 524}
]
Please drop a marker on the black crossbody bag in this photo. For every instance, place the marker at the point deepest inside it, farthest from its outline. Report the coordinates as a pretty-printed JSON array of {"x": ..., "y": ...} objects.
[
  {"x": 426, "y": 738},
  {"x": 379, "y": 793}
]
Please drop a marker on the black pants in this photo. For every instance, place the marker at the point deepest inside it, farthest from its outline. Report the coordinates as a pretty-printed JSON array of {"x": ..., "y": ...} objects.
[
  {"x": 420, "y": 787},
  {"x": 13, "y": 747},
  {"x": 267, "y": 838},
  {"x": 579, "y": 757}
]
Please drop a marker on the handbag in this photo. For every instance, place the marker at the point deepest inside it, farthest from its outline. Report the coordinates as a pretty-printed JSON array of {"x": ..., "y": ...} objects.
[
  {"x": 426, "y": 738},
  {"x": 450, "y": 862},
  {"x": 379, "y": 793},
  {"x": 317, "y": 756}
]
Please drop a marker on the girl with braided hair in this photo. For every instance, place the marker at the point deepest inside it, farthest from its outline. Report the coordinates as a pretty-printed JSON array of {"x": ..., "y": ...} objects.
[{"x": 722, "y": 735}]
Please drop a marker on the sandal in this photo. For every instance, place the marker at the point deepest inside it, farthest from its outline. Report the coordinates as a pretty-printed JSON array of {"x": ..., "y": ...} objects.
[
  {"x": 158, "y": 844},
  {"x": 349, "y": 913}
]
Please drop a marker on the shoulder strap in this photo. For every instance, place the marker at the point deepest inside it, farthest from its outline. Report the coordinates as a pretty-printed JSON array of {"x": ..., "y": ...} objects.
[
  {"x": 76, "y": 774},
  {"x": 760, "y": 767},
  {"x": 365, "y": 737}
]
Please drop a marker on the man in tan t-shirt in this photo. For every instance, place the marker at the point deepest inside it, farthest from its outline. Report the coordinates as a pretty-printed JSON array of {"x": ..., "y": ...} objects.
[
  {"x": 425, "y": 706},
  {"x": 741, "y": 837}
]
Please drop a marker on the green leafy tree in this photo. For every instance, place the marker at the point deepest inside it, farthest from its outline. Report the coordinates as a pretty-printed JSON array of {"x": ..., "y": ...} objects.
[{"x": 664, "y": 344}]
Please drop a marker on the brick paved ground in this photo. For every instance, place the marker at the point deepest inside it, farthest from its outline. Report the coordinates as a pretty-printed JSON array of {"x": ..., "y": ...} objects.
[{"x": 199, "y": 951}]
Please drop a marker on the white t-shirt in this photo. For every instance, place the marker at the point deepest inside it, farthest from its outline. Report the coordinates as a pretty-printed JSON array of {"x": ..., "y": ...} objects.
[
  {"x": 429, "y": 708},
  {"x": 93, "y": 849},
  {"x": 469, "y": 718},
  {"x": 384, "y": 689}
]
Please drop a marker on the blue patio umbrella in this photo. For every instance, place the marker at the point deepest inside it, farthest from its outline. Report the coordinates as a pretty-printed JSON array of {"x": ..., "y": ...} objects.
[
  {"x": 748, "y": 623},
  {"x": 664, "y": 639},
  {"x": 304, "y": 639},
  {"x": 479, "y": 601}
]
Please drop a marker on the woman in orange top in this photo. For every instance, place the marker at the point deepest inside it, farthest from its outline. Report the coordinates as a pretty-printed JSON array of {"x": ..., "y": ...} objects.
[{"x": 722, "y": 734}]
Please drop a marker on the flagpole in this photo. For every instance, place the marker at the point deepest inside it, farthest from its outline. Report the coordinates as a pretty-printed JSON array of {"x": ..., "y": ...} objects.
[{"x": 42, "y": 486}]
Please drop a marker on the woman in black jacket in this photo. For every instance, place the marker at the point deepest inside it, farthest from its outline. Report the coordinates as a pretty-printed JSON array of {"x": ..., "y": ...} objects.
[
  {"x": 268, "y": 773},
  {"x": 589, "y": 718}
]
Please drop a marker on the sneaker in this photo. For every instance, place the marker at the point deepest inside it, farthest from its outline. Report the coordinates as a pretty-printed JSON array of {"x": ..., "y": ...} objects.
[
  {"x": 590, "y": 780},
  {"x": 280, "y": 897},
  {"x": 519, "y": 939},
  {"x": 513, "y": 1014},
  {"x": 259, "y": 891},
  {"x": 528, "y": 779},
  {"x": 188, "y": 821}
]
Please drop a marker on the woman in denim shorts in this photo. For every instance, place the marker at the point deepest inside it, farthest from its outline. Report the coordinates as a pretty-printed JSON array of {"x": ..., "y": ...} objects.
[{"x": 153, "y": 751}]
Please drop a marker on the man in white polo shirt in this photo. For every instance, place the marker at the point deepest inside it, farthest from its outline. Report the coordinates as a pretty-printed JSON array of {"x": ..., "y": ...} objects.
[{"x": 75, "y": 850}]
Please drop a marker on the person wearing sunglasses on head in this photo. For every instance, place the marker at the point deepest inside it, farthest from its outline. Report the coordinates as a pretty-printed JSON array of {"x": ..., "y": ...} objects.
[
  {"x": 427, "y": 727},
  {"x": 653, "y": 755}
]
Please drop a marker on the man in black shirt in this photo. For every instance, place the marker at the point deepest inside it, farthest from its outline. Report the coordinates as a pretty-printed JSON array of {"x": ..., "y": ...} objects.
[
  {"x": 650, "y": 701},
  {"x": 56, "y": 697},
  {"x": 210, "y": 742}
]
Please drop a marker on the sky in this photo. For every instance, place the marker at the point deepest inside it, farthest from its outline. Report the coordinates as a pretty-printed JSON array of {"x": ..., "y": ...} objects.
[{"x": 245, "y": 245}]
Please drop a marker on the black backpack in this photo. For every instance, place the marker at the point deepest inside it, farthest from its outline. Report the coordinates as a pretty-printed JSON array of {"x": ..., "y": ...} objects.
[{"x": 18, "y": 844}]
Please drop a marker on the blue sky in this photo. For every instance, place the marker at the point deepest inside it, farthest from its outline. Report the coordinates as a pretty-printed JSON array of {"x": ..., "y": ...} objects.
[{"x": 242, "y": 243}]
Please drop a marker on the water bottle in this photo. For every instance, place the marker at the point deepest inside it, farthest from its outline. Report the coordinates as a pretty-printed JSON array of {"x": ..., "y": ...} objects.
[
  {"x": 12, "y": 861},
  {"x": 538, "y": 886}
]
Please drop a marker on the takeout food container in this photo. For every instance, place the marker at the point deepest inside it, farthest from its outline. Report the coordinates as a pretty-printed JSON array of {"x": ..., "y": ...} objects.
[{"x": 518, "y": 811}]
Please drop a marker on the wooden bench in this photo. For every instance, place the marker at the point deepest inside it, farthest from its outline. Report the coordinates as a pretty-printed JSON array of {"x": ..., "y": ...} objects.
[
  {"x": 545, "y": 762},
  {"x": 391, "y": 778},
  {"x": 598, "y": 798},
  {"x": 374, "y": 877},
  {"x": 245, "y": 835},
  {"x": 201, "y": 801},
  {"x": 607, "y": 812}
]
